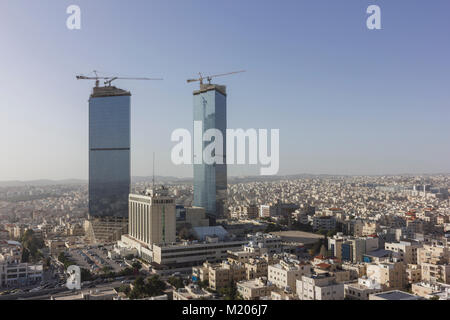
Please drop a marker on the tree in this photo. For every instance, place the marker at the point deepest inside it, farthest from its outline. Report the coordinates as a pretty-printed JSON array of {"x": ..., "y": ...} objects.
[
  {"x": 124, "y": 288},
  {"x": 323, "y": 251},
  {"x": 155, "y": 286},
  {"x": 129, "y": 257},
  {"x": 106, "y": 269},
  {"x": 137, "y": 265},
  {"x": 152, "y": 287},
  {"x": 176, "y": 282},
  {"x": 272, "y": 227},
  {"x": 126, "y": 272},
  {"x": 86, "y": 275},
  {"x": 31, "y": 246},
  {"x": 315, "y": 248},
  {"x": 25, "y": 255},
  {"x": 203, "y": 284},
  {"x": 47, "y": 262},
  {"x": 229, "y": 293},
  {"x": 185, "y": 233},
  {"x": 331, "y": 233}
]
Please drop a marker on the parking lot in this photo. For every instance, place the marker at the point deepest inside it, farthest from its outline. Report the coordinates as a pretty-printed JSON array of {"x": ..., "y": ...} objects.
[{"x": 94, "y": 259}]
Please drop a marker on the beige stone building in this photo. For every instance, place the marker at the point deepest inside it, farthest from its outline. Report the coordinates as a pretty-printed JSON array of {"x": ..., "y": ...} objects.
[
  {"x": 413, "y": 273},
  {"x": 152, "y": 217},
  {"x": 254, "y": 289},
  {"x": 389, "y": 274},
  {"x": 192, "y": 292},
  {"x": 256, "y": 268},
  {"x": 434, "y": 273},
  {"x": 369, "y": 228},
  {"x": 406, "y": 251},
  {"x": 426, "y": 290},
  {"x": 319, "y": 287},
  {"x": 357, "y": 270},
  {"x": 226, "y": 273},
  {"x": 362, "y": 289},
  {"x": 286, "y": 272}
]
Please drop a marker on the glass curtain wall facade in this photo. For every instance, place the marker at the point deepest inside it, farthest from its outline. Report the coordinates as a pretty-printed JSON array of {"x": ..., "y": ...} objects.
[
  {"x": 210, "y": 181},
  {"x": 109, "y": 152}
]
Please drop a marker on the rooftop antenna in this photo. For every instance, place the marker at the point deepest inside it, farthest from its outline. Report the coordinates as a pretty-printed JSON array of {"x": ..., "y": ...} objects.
[{"x": 153, "y": 180}]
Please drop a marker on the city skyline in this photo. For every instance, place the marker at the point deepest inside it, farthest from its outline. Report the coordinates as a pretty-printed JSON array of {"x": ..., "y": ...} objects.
[
  {"x": 296, "y": 151},
  {"x": 347, "y": 100}
]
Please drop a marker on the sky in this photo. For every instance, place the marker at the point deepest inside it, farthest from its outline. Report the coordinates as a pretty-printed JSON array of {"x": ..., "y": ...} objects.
[{"x": 347, "y": 100}]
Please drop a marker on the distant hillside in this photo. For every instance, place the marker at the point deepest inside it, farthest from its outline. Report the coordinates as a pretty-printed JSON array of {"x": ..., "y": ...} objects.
[{"x": 17, "y": 183}]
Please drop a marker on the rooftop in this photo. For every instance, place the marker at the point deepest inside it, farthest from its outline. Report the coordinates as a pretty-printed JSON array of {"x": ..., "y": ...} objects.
[
  {"x": 396, "y": 295},
  {"x": 108, "y": 91},
  {"x": 208, "y": 87}
]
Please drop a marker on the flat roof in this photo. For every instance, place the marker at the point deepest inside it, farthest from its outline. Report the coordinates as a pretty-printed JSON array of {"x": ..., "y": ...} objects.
[
  {"x": 209, "y": 87},
  {"x": 298, "y": 236},
  {"x": 108, "y": 91},
  {"x": 397, "y": 295}
]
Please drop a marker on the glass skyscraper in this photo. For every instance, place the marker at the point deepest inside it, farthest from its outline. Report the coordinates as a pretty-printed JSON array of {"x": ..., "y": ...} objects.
[
  {"x": 210, "y": 181},
  {"x": 109, "y": 152}
]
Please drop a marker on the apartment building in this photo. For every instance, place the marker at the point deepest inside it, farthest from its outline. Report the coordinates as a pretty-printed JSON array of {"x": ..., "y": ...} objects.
[
  {"x": 324, "y": 223},
  {"x": 319, "y": 287},
  {"x": 224, "y": 274},
  {"x": 405, "y": 251},
  {"x": 433, "y": 253},
  {"x": 389, "y": 274},
  {"x": 362, "y": 289},
  {"x": 256, "y": 268},
  {"x": 434, "y": 259},
  {"x": 357, "y": 270},
  {"x": 254, "y": 289},
  {"x": 286, "y": 272},
  {"x": 348, "y": 248},
  {"x": 192, "y": 292},
  {"x": 427, "y": 290},
  {"x": 413, "y": 273},
  {"x": 434, "y": 273}
]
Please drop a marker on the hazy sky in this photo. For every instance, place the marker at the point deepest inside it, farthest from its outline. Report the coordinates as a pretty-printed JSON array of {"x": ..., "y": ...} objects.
[{"x": 347, "y": 100}]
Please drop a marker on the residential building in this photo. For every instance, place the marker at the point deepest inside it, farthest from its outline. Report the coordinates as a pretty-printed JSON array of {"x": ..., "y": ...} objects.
[
  {"x": 319, "y": 287},
  {"x": 192, "y": 292},
  {"x": 254, "y": 289},
  {"x": 284, "y": 274}
]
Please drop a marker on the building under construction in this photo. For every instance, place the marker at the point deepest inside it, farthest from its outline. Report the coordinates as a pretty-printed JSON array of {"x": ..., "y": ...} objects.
[
  {"x": 109, "y": 164},
  {"x": 109, "y": 159}
]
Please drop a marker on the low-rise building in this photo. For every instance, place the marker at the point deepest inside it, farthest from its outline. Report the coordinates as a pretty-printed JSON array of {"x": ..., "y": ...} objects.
[
  {"x": 362, "y": 289},
  {"x": 427, "y": 290},
  {"x": 254, "y": 289},
  {"x": 389, "y": 274},
  {"x": 413, "y": 273},
  {"x": 319, "y": 287},
  {"x": 286, "y": 272},
  {"x": 393, "y": 295},
  {"x": 192, "y": 292}
]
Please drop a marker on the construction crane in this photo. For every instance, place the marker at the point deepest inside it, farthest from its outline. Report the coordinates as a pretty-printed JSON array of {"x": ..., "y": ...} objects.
[
  {"x": 108, "y": 80},
  {"x": 209, "y": 78}
]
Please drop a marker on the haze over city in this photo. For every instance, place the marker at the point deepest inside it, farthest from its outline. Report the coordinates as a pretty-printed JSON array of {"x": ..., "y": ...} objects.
[
  {"x": 212, "y": 158},
  {"x": 346, "y": 100}
]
